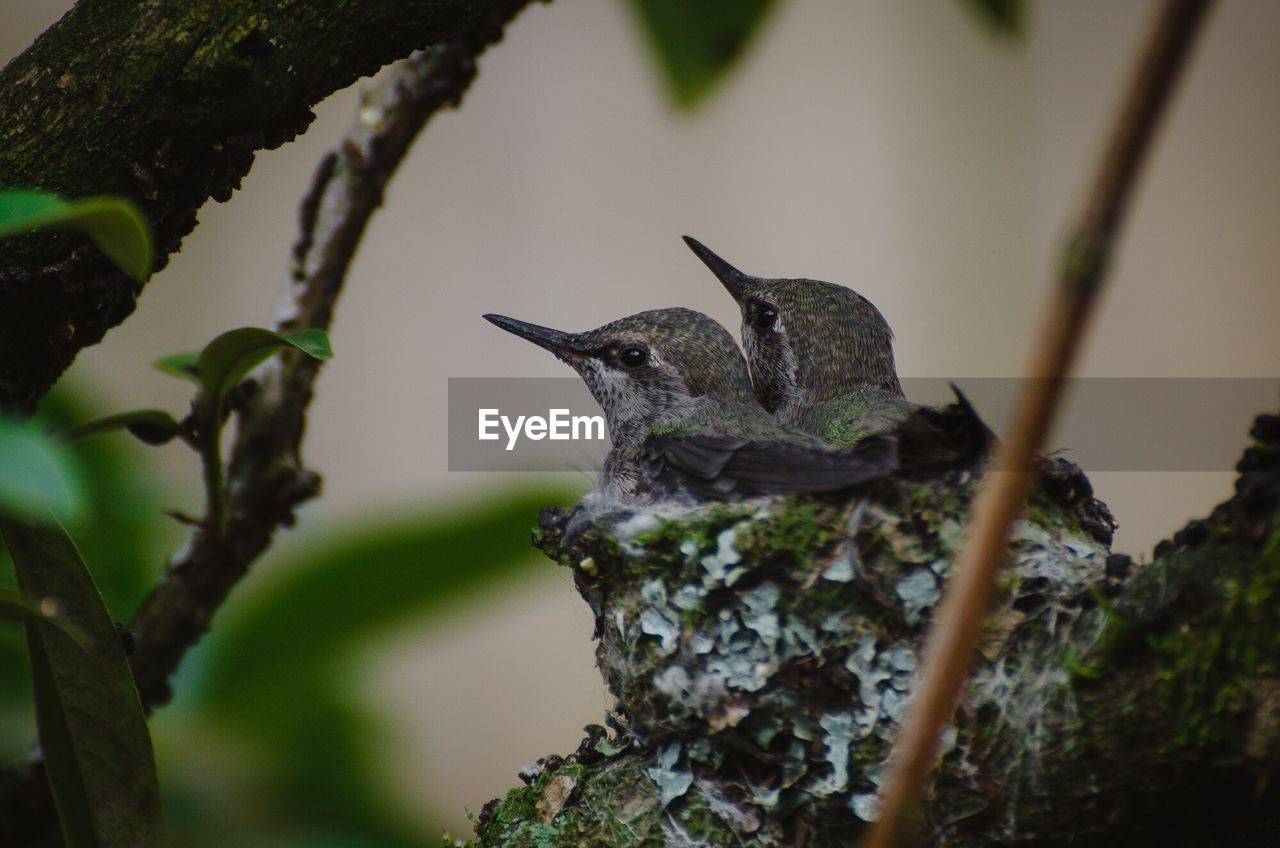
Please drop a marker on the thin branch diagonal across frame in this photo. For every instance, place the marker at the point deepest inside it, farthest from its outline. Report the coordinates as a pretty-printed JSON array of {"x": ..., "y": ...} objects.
[{"x": 949, "y": 650}]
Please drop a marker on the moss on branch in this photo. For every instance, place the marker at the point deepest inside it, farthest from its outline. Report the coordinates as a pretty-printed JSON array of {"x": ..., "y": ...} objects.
[{"x": 164, "y": 102}]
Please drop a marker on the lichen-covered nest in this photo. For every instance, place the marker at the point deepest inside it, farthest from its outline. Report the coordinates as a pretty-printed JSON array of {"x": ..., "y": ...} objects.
[{"x": 762, "y": 655}]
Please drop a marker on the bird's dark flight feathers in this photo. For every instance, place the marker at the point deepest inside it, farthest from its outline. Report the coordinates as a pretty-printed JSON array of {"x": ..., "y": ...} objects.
[{"x": 712, "y": 465}]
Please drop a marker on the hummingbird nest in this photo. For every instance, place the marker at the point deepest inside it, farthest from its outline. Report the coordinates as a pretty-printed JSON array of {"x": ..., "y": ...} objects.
[{"x": 762, "y": 654}]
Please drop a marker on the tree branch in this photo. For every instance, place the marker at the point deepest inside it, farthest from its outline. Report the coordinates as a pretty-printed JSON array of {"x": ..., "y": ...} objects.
[
  {"x": 165, "y": 102},
  {"x": 950, "y": 650},
  {"x": 266, "y": 478}
]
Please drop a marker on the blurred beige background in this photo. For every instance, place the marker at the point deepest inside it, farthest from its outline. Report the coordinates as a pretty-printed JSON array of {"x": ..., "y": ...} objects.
[{"x": 893, "y": 146}]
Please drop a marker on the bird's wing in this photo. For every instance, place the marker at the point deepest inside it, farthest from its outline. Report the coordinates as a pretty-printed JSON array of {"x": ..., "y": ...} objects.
[{"x": 718, "y": 465}]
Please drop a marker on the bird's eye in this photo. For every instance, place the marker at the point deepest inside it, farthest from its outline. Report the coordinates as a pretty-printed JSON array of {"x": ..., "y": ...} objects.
[
  {"x": 764, "y": 316},
  {"x": 633, "y": 357}
]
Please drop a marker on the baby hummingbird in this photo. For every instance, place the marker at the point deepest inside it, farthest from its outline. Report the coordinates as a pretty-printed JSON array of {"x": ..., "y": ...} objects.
[
  {"x": 821, "y": 359},
  {"x": 681, "y": 416},
  {"x": 821, "y": 355}
]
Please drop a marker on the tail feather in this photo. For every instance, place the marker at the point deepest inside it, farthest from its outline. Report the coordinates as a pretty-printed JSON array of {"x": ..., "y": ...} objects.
[{"x": 945, "y": 438}]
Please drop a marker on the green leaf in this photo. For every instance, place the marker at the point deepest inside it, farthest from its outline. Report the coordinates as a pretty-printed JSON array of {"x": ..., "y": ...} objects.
[
  {"x": 113, "y": 223},
  {"x": 1004, "y": 17},
  {"x": 225, "y": 360},
  {"x": 18, "y": 207},
  {"x": 122, "y": 498},
  {"x": 366, "y": 579},
  {"x": 153, "y": 426},
  {"x": 16, "y": 607},
  {"x": 695, "y": 43},
  {"x": 36, "y": 475},
  {"x": 179, "y": 365},
  {"x": 93, "y": 734},
  {"x": 349, "y": 587}
]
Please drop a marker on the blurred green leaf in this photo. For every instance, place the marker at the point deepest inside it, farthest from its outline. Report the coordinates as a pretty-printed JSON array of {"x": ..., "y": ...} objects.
[
  {"x": 364, "y": 580},
  {"x": 286, "y": 645},
  {"x": 36, "y": 475},
  {"x": 225, "y": 360},
  {"x": 153, "y": 426},
  {"x": 93, "y": 734},
  {"x": 15, "y": 606},
  {"x": 114, "y": 223},
  {"x": 18, "y": 208},
  {"x": 1004, "y": 17},
  {"x": 179, "y": 365},
  {"x": 121, "y": 525},
  {"x": 695, "y": 43}
]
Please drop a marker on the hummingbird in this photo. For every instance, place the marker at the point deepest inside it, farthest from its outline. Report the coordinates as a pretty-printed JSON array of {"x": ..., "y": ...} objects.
[
  {"x": 682, "y": 418},
  {"x": 821, "y": 359}
]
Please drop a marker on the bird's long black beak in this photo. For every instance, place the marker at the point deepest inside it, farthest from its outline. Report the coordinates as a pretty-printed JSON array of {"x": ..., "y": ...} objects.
[
  {"x": 557, "y": 341},
  {"x": 734, "y": 280}
]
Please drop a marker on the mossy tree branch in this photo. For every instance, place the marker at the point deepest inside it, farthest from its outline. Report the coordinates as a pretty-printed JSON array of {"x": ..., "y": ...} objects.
[{"x": 164, "y": 102}]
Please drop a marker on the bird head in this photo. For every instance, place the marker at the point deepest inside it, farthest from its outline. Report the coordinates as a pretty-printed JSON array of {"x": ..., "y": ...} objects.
[
  {"x": 643, "y": 366},
  {"x": 807, "y": 341}
]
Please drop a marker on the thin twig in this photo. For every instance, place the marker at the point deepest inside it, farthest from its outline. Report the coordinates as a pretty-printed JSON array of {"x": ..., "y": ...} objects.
[
  {"x": 948, "y": 653},
  {"x": 265, "y": 479}
]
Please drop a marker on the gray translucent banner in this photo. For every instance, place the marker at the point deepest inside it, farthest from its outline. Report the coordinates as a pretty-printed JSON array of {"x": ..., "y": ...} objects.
[
  {"x": 519, "y": 400},
  {"x": 1108, "y": 424}
]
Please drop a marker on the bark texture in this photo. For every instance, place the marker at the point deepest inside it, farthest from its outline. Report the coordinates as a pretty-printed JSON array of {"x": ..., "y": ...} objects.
[
  {"x": 164, "y": 102},
  {"x": 762, "y": 655}
]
